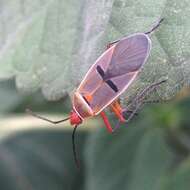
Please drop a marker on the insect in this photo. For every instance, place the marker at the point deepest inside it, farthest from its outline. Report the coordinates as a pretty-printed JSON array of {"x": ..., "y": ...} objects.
[{"x": 112, "y": 73}]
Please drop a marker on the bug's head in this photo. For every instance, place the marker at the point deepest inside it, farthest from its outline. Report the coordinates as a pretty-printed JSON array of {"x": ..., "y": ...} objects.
[{"x": 75, "y": 119}]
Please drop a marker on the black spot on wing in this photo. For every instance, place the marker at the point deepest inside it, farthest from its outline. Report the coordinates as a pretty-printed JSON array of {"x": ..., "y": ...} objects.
[
  {"x": 104, "y": 78},
  {"x": 112, "y": 85},
  {"x": 100, "y": 71}
]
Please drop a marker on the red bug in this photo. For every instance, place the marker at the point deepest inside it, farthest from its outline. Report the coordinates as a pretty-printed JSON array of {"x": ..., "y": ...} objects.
[{"x": 112, "y": 73}]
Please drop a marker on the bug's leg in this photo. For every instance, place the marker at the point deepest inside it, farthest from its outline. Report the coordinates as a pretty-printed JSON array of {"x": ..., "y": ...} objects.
[
  {"x": 133, "y": 113},
  {"x": 139, "y": 99},
  {"x": 147, "y": 91},
  {"x": 155, "y": 27},
  {"x": 154, "y": 101},
  {"x": 136, "y": 103},
  {"x": 106, "y": 122},
  {"x": 130, "y": 112},
  {"x": 46, "y": 119},
  {"x": 117, "y": 110},
  {"x": 117, "y": 126},
  {"x": 151, "y": 101}
]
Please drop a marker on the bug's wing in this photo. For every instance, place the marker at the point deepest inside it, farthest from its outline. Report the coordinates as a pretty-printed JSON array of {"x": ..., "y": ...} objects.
[
  {"x": 129, "y": 55},
  {"x": 113, "y": 72},
  {"x": 93, "y": 79}
]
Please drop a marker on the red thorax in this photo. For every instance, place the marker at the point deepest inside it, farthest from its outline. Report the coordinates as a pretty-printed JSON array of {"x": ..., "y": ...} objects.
[{"x": 75, "y": 118}]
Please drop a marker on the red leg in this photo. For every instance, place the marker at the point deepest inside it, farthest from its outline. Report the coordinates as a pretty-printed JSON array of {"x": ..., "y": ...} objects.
[
  {"x": 106, "y": 121},
  {"x": 117, "y": 110}
]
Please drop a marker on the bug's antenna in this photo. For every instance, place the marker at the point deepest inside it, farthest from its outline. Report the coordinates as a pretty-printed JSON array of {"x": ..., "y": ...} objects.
[
  {"x": 74, "y": 147},
  {"x": 156, "y": 26},
  {"x": 45, "y": 119}
]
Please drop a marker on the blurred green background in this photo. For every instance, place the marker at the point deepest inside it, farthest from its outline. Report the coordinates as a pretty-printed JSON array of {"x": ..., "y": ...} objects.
[
  {"x": 151, "y": 153},
  {"x": 46, "y": 47}
]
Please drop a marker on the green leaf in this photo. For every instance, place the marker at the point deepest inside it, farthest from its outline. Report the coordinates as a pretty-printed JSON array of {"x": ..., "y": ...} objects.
[
  {"x": 40, "y": 160},
  {"x": 9, "y": 97},
  {"x": 133, "y": 158},
  {"x": 51, "y": 44},
  {"x": 179, "y": 179},
  {"x": 37, "y": 50}
]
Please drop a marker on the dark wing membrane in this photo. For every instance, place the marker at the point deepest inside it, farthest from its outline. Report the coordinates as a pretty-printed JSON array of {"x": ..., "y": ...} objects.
[{"x": 128, "y": 56}]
